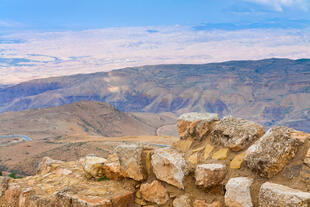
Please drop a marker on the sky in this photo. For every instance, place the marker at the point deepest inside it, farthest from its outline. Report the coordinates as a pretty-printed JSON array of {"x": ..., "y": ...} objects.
[
  {"x": 90, "y": 14},
  {"x": 44, "y": 38}
]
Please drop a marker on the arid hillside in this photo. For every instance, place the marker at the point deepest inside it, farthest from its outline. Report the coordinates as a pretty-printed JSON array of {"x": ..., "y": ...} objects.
[
  {"x": 73, "y": 130},
  {"x": 271, "y": 91},
  {"x": 82, "y": 118}
]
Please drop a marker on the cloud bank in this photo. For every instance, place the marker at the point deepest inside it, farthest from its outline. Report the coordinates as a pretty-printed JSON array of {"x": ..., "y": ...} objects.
[{"x": 25, "y": 56}]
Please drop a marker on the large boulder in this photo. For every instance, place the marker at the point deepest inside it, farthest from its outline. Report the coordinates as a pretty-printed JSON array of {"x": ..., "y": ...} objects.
[
  {"x": 154, "y": 192},
  {"x": 130, "y": 156},
  {"x": 238, "y": 192},
  {"x": 275, "y": 195},
  {"x": 169, "y": 166},
  {"x": 209, "y": 175},
  {"x": 196, "y": 125},
  {"x": 272, "y": 152},
  {"x": 236, "y": 133}
]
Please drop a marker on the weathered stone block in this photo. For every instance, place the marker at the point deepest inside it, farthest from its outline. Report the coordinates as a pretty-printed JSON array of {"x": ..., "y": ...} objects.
[
  {"x": 154, "y": 192},
  {"x": 236, "y": 133},
  {"x": 130, "y": 156},
  {"x": 196, "y": 125},
  {"x": 169, "y": 166},
  {"x": 272, "y": 152},
  {"x": 238, "y": 192},
  {"x": 208, "y": 175},
  {"x": 275, "y": 195}
]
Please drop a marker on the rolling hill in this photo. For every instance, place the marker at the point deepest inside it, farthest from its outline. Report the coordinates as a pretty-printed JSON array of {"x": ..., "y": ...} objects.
[
  {"x": 271, "y": 91},
  {"x": 87, "y": 118}
]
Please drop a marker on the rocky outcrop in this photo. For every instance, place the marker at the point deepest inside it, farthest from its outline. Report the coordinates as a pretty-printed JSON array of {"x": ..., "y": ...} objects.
[
  {"x": 169, "y": 166},
  {"x": 238, "y": 192},
  {"x": 66, "y": 185},
  {"x": 126, "y": 162},
  {"x": 274, "y": 195},
  {"x": 208, "y": 175},
  {"x": 236, "y": 133},
  {"x": 196, "y": 171},
  {"x": 154, "y": 192},
  {"x": 196, "y": 125},
  {"x": 270, "y": 154}
]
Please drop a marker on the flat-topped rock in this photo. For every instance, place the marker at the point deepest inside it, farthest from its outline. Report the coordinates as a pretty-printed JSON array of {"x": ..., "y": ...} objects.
[
  {"x": 236, "y": 133},
  {"x": 272, "y": 152},
  {"x": 209, "y": 175},
  {"x": 194, "y": 116},
  {"x": 196, "y": 125},
  {"x": 169, "y": 166},
  {"x": 275, "y": 195},
  {"x": 238, "y": 192}
]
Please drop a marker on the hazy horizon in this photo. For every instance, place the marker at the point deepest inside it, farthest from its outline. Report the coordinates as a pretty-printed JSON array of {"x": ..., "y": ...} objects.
[{"x": 44, "y": 39}]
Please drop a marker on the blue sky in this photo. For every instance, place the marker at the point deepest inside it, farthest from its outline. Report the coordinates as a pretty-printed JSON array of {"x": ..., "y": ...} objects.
[
  {"x": 87, "y": 14},
  {"x": 44, "y": 38}
]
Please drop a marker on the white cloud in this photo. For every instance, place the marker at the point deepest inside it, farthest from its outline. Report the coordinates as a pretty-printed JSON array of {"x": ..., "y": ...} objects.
[
  {"x": 66, "y": 53},
  {"x": 279, "y": 5}
]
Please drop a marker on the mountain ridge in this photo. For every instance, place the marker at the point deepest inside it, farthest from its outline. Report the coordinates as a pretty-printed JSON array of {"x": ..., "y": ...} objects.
[{"x": 270, "y": 91}]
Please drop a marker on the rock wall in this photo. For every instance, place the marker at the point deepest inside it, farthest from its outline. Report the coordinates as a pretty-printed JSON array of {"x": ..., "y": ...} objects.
[{"x": 230, "y": 162}]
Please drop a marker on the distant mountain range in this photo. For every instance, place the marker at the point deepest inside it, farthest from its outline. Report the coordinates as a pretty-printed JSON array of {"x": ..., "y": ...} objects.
[{"x": 271, "y": 91}]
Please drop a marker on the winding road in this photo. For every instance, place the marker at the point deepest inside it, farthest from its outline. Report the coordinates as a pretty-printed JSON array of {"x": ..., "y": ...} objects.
[{"x": 26, "y": 138}]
